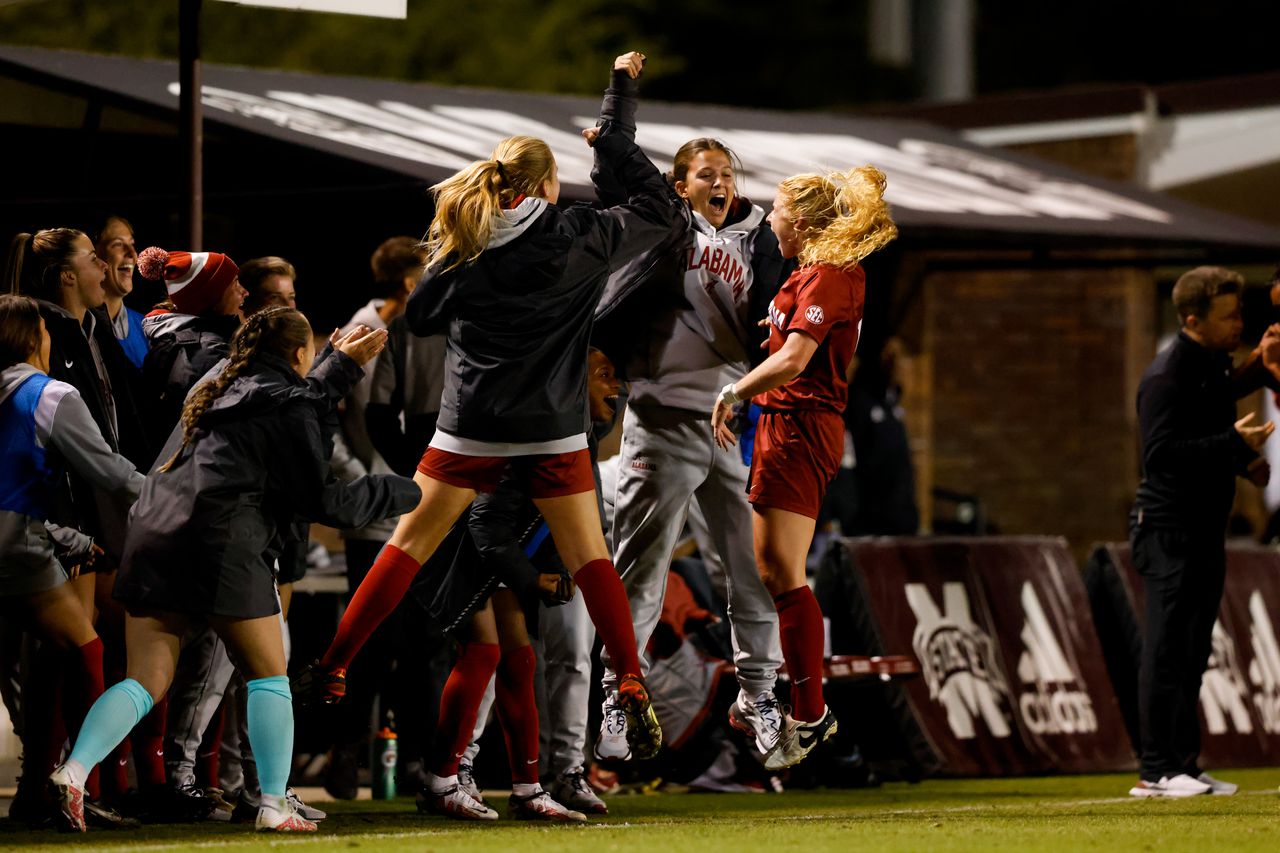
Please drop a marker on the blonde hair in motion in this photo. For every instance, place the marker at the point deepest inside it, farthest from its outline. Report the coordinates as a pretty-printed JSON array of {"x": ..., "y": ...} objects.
[
  {"x": 467, "y": 202},
  {"x": 844, "y": 215}
]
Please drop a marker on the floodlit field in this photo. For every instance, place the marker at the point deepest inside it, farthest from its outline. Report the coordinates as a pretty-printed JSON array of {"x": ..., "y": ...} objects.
[{"x": 1078, "y": 812}]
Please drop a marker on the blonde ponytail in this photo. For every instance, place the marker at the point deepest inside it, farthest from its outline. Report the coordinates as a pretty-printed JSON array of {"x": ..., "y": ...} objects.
[
  {"x": 467, "y": 203},
  {"x": 844, "y": 215}
]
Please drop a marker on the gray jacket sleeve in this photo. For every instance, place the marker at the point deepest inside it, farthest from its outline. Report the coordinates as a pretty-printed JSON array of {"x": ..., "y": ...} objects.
[{"x": 75, "y": 435}]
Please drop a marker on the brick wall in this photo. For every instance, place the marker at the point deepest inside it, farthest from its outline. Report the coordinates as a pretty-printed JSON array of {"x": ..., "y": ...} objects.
[{"x": 1029, "y": 379}]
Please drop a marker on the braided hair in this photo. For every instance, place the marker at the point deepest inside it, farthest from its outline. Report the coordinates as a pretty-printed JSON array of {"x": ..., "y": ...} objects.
[{"x": 275, "y": 331}]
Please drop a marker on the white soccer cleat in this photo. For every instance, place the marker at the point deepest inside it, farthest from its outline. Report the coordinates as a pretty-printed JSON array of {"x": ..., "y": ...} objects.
[
  {"x": 540, "y": 806},
  {"x": 1181, "y": 785},
  {"x": 759, "y": 716},
  {"x": 1216, "y": 786},
  {"x": 573, "y": 789},
  {"x": 68, "y": 797},
  {"x": 285, "y": 818},
  {"x": 612, "y": 744},
  {"x": 467, "y": 782},
  {"x": 455, "y": 803},
  {"x": 310, "y": 813},
  {"x": 799, "y": 738}
]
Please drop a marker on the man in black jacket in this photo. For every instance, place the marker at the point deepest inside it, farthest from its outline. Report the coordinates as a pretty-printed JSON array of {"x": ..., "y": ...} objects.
[{"x": 1192, "y": 449}]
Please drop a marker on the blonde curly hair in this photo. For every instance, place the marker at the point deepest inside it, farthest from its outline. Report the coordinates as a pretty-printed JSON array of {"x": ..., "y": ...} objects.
[{"x": 842, "y": 215}]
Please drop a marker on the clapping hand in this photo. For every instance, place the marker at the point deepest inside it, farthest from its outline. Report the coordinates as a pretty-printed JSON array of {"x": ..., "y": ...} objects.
[
  {"x": 360, "y": 344},
  {"x": 1254, "y": 436}
]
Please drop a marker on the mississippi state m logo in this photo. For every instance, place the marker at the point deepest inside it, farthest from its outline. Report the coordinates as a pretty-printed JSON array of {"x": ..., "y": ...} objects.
[
  {"x": 1223, "y": 691},
  {"x": 1264, "y": 669},
  {"x": 1055, "y": 704},
  {"x": 958, "y": 661}
]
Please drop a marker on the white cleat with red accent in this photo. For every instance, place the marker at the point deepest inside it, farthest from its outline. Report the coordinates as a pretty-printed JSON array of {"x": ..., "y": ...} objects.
[
  {"x": 69, "y": 798},
  {"x": 281, "y": 818}
]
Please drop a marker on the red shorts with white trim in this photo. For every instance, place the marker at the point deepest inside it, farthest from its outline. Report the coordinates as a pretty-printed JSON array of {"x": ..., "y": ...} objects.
[
  {"x": 548, "y": 475},
  {"x": 797, "y": 454}
]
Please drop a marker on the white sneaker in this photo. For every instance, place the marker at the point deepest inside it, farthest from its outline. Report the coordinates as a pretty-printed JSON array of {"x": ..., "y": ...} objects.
[
  {"x": 573, "y": 789},
  {"x": 455, "y": 802},
  {"x": 467, "y": 782},
  {"x": 540, "y": 806},
  {"x": 1181, "y": 785},
  {"x": 282, "y": 819},
  {"x": 612, "y": 744},
  {"x": 799, "y": 738},
  {"x": 1217, "y": 786},
  {"x": 308, "y": 812},
  {"x": 759, "y": 716}
]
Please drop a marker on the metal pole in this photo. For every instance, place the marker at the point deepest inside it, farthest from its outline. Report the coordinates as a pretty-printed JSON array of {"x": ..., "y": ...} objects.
[{"x": 191, "y": 123}]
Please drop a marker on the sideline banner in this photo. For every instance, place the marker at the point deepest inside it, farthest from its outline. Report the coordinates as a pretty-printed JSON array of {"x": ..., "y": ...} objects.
[
  {"x": 1013, "y": 679},
  {"x": 1240, "y": 695}
]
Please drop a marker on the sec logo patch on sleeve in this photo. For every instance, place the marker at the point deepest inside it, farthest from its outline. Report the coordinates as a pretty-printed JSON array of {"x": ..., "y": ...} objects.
[{"x": 814, "y": 315}]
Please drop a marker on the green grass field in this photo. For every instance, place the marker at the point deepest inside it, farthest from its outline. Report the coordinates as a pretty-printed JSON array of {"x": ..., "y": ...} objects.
[{"x": 1060, "y": 813}]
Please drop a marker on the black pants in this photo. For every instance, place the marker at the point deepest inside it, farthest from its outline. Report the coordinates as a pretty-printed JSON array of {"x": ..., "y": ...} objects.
[{"x": 1182, "y": 572}]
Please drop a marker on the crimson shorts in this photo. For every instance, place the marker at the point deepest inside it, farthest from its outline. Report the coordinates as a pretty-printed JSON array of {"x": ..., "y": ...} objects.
[
  {"x": 548, "y": 475},
  {"x": 797, "y": 454}
]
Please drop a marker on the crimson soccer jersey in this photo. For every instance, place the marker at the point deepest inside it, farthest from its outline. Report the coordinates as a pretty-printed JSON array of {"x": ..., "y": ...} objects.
[{"x": 825, "y": 303}]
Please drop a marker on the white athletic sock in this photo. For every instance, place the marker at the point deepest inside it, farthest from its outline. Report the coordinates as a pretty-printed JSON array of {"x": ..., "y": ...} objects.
[
  {"x": 441, "y": 784},
  {"x": 76, "y": 772},
  {"x": 525, "y": 789}
]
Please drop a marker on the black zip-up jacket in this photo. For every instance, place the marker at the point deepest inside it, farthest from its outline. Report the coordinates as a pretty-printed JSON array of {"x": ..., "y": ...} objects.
[
  {"x": 224, "y": 510},
  {"x": 518, "y": 318},
  {"x": 1191, "y": 452},
  {"x": 76, "y": 502}
]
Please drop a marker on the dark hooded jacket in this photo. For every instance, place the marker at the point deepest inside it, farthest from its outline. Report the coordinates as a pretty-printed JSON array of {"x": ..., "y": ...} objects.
[
  {"x": 518, "y": 318},
  {"x": 204, "y": 535},
  {"x": 182, "y": 349}
]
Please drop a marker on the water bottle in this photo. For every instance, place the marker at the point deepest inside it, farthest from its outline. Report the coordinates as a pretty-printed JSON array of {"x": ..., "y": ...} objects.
[{"x": 384, "y": 767}]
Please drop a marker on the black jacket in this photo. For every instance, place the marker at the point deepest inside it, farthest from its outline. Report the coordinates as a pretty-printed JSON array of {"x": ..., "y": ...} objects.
[
  {"x": 76, "y": 503},
  {"x": 182, "y": 348},
  {"x": 518, "y": 319},
  {"x": 1191, "y": 452},
  {"x": 203, "y": 535}
]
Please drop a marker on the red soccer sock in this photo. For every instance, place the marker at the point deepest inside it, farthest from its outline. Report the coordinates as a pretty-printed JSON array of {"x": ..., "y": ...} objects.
[
  {"x": 377, "y": 596},
  {"x": 460, "y": 703},
  {"x": 148, "y": 746},
  {"x": 115, "y": 767},
  {"x": 800, "y": 629},
  {"x": 84, "y": 686},
  {"x": 610, "y": 612},
  {"x": 518, "y": 712}
]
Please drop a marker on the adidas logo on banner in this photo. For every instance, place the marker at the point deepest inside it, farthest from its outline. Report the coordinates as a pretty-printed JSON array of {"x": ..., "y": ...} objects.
[
  {"x": 1264, "y": 669},
  {"x": 958, "y": 661},
  {"x": 1223, "y": 691},
  {"x": 1053, "y": 706}
]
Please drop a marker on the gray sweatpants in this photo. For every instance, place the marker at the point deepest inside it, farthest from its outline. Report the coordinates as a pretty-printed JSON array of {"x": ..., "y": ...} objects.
[
  {"x": 668, "y": 458},
  {"x": 564, "y": 655}
]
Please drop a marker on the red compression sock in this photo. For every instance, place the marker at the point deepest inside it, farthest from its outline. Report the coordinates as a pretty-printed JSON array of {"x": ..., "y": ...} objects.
[
  {"x": 459, "y": 704},
  {"x": 800, "y": 629},
  {"x": 84, "y": 686},
  {"x": 610, "y": 612},
  {"x": 148, "y": 746},
  {"x": 387, "y": 582},
  {"x": 518, "y": 712}
]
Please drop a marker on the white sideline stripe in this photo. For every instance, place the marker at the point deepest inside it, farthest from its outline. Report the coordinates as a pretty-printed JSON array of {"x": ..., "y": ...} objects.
[{"x": 258, "y": 840}]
